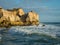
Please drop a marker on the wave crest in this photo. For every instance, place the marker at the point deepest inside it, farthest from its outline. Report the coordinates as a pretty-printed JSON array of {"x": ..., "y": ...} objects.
[{"x": 47, "y": 30}]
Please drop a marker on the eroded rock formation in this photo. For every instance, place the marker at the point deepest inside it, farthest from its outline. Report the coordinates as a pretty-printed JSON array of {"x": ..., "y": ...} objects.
[{"x": 18, "y": 17}]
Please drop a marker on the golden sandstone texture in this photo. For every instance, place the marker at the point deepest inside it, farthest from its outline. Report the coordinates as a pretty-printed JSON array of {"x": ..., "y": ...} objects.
[{"x": 17, "y": 16}]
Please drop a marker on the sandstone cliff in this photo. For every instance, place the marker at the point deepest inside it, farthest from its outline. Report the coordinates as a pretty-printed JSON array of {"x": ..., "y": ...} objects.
[{"x": 18, "y": 17}]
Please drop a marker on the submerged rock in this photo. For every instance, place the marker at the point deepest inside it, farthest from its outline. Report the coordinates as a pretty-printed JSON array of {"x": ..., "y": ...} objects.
[{"x": 18, "y": 17}]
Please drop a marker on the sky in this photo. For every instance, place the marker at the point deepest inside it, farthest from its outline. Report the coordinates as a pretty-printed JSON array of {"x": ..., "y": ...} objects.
[{"x": 48, "y": 10}]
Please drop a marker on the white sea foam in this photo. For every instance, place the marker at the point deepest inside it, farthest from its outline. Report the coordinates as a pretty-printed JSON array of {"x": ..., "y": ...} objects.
[
  {"x": 47, "y": 29},
  {"x": 0, "y": 37}
]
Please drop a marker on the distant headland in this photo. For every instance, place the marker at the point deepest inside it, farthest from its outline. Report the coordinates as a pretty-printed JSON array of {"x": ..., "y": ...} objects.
[{"x": 17, "y": 17}]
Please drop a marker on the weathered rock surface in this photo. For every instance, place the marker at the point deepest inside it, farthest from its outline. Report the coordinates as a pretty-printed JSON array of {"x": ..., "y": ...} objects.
[{"x": 18, "y": 17}]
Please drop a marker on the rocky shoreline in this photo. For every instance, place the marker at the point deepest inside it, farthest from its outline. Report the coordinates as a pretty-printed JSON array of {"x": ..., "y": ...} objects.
[{"x": 17, "y": 17}]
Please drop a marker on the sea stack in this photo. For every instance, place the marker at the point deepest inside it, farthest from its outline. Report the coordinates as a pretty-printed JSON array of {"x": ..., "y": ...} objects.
[{"x": 16, "y": 16}]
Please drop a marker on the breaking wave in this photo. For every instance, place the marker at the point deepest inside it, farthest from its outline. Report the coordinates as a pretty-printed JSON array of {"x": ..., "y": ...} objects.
[
  {"x": 49, "y": 30},
  {"x": 31, "y": 35}
]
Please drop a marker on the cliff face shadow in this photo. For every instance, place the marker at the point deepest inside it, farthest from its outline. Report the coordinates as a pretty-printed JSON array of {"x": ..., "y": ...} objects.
[{"x": 23, "y": 17}]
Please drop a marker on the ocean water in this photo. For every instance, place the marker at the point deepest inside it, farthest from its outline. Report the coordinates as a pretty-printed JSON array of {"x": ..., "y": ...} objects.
[{"x": 31, "y": 35}]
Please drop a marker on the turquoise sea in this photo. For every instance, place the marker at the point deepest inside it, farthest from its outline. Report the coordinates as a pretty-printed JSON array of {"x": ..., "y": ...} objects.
[{"x": 31, "y": 35}]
